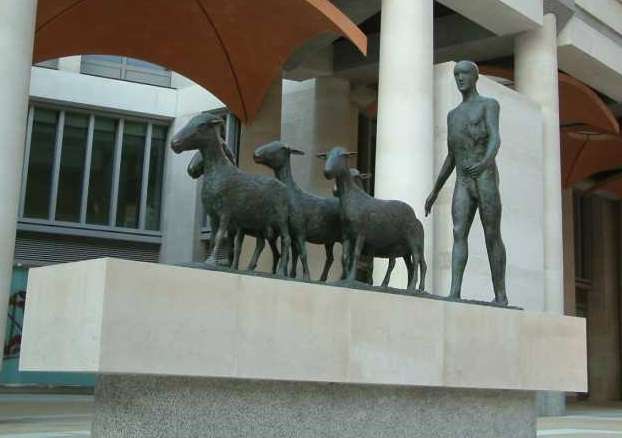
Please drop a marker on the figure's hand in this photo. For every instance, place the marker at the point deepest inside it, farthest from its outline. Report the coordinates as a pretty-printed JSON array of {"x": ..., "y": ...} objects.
[
  {"x": 476, "y": 169},
  {"x": 429, "y": 202}
]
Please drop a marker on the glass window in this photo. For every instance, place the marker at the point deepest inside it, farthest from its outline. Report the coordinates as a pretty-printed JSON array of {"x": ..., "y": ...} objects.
[
  {"x": 104, "y": 177},
  {"x": 130, "y": 176},
  {"x": 156, "y": 175},
  {"x": 129, "y": 69},
  {"x": 100, "y": 181},
  {"x": 42, "y": 145},
  {"x": 75, "y": 134}
]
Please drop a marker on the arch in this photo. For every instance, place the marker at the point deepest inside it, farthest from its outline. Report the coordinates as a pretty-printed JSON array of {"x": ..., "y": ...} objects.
[{"x": 233, "y": 48}]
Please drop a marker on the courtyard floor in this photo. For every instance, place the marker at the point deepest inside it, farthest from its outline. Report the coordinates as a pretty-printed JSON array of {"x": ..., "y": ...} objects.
[{"x": 68, "y": 416}]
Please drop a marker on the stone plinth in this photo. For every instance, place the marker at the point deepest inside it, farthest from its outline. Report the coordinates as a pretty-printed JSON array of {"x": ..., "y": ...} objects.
[{"x": 140, "y": 324}]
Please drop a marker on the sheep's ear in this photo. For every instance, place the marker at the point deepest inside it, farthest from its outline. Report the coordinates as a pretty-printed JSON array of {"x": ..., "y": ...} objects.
[
  {"x": 295, "y": 151},
  {"x": 365, "y": 175},
  {"x": 351, "y": 154},
  {"x": 322, "y": 156}
]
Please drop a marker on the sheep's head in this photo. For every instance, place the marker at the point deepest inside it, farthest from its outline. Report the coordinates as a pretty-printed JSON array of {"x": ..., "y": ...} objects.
[
  {"x": 203, "y": 129},
  {"x": 336, "y": 162},
  {"x": 358, "y": 178},
  {"x": 274, "y": 155}
]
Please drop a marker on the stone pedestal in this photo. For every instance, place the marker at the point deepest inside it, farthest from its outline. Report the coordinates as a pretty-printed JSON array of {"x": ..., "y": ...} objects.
[
  {"x": 258, "y": 356},
  {"x": 183, "y": 407}
]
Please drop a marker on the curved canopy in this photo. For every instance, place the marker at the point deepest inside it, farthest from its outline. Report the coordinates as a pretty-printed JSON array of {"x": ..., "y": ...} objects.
[{"x": 233, "y": 48}]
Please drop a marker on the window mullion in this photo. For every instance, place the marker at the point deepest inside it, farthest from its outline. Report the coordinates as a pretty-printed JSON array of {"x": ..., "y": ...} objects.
[
  {"x": 26, "y": 160},
  {"x": 116, "y": 172},
  {"x": 86, "y": 176},
  {"x": 142, "y": 214},
  {"x": 58, "y": 150}
]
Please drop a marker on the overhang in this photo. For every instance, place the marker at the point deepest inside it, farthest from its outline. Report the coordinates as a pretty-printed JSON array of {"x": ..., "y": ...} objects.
[{"x": 233, "y": 48}]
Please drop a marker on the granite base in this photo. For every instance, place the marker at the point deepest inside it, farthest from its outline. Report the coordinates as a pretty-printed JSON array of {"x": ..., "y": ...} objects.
[{"x": 160, "y": 406}]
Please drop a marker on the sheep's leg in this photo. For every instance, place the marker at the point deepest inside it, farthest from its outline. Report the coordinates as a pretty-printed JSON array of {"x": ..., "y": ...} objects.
[
  {"x": 302, "y": 250},
  {"x": 286, "y": 244},
  {"x": 293, "y": 272},
  {"x": 275, "y": 253},
  {"x": 387, "y": 277},
  {"x": 328, "y": 247},
  {"x": 220, "y": 240},
  {"x": 214, "y": 222},
  {"x": 409, "y": 267},
  {"x": 423, "y": 266},
  {"x": 346, "y": 247},
  {"x": 260, "y": 243},
  {"x": 237, "y": 249},
  {"x": 358, "y": 249}
]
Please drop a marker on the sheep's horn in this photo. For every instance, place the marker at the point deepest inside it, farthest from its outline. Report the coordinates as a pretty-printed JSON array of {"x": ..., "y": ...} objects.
[{"x": 295, "y": 151}]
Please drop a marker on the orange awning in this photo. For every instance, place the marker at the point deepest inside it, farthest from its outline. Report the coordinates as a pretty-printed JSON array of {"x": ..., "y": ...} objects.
[{"x": 233, "y": 48}]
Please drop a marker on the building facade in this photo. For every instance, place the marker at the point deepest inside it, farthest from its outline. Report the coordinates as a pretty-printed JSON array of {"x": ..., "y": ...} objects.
[{"x": 98, "y": 178}]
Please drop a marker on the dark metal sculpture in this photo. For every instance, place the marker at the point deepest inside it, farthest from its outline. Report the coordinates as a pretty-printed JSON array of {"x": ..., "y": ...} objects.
[
  {"x": 473, "y": 141},
  {"x": 382, "y": 228},
  {"x": 235, "y": 200},
  {"x": 319, "y": 217},
  {"x": 195, "y": 170}
]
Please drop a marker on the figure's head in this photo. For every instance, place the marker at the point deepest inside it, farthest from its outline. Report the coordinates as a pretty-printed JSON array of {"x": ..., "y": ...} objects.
[
  {"x": 274, "y": 155},
  {"x": 205, "y": 127},
  {"x": 466, "y": 74},
  {"x": 336, "y": 162}
]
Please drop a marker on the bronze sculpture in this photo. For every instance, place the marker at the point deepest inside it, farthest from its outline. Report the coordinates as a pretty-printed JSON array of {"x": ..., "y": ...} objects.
[
  {"x": 473, "y": 142},
  {"x": 235, "y": 200},
  {"x": 385, "y": 229}
]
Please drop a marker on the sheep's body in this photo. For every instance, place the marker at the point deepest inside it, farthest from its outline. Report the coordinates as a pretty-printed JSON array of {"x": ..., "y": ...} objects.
[
  {"x": 380, "y": 228},
  {"x": 195, "y": 170},
  {"x": 235, "y": 200}
]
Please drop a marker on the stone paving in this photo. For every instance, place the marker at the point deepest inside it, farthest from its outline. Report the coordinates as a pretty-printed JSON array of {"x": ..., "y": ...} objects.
[{"x": 69, "y": 416}]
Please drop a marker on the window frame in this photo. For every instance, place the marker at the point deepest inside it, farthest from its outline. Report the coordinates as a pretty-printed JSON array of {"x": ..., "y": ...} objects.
[
  {"x": 82, "y": 228},
  {"x": 97, "y": 67}
]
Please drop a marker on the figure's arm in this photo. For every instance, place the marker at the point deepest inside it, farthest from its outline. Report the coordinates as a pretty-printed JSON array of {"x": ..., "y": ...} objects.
[
  {"x": 448, "y": 167},
  {"x": 491, "y": 119},
  {"x": 492, "y": 124}
]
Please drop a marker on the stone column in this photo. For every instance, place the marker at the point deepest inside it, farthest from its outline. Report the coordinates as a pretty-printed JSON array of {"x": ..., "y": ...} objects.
[
  {"x": 17, "y": 27},
  {"x": 535, "y": 75},
  {"x": 405, "y": 137},
  {"x": 603, "y": 311}
]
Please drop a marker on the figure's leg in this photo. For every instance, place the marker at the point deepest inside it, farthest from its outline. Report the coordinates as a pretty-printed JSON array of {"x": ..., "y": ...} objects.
[
  {"x": 356, "y": 255},
  {"x": 259, "y": 245},
  {"x": 490, "y": 214},
  {"x": 237, "y": 249},
  {"x": 387, "y": 277},
  {"x": 275, "y": 253},
  {"x": 462, "y": 212},
  {"x": 328, "y": 247},
  {"x": 220, "y": 240}
]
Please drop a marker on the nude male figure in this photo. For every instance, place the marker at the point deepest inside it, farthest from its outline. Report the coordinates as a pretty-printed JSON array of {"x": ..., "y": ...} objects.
[{"x": 473, "y": 141}]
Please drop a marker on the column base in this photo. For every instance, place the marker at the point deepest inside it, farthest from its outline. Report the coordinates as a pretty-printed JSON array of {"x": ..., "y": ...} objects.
[{"x": 161, "y": 406}]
